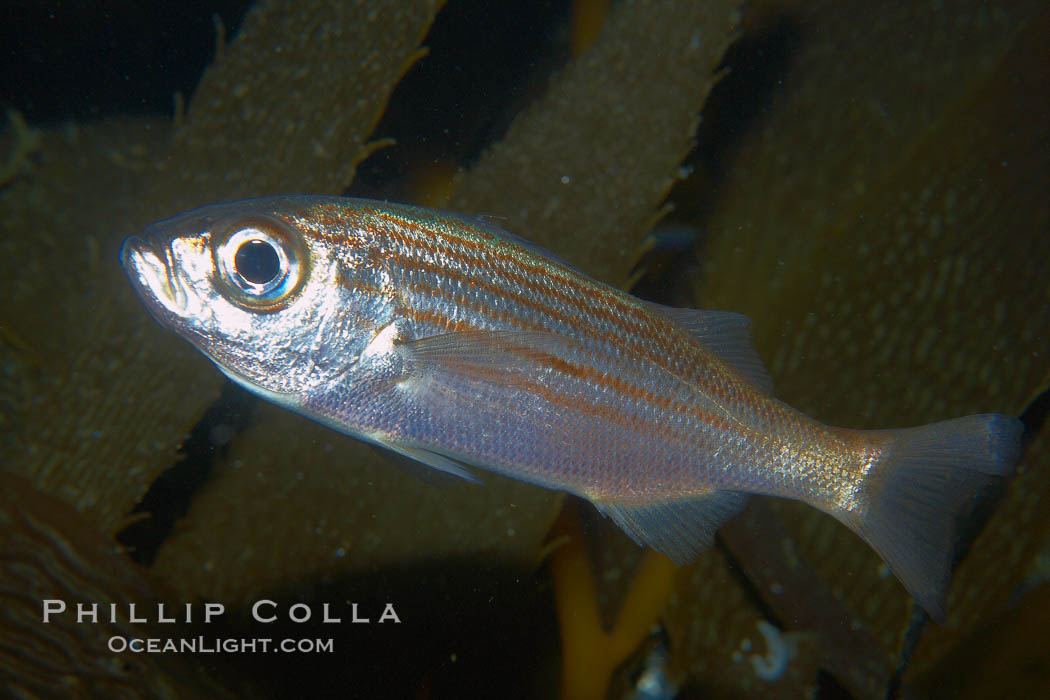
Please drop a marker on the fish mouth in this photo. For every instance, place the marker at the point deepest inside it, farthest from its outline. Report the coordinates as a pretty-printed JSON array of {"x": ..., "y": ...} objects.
[{"x": 150, "y": 267}]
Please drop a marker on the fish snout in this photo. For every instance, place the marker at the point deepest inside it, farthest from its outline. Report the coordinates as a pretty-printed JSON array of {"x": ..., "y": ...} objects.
[{"x": 149, "y": 267}]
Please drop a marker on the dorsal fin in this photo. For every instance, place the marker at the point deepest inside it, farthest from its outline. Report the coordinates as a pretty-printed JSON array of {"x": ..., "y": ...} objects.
[
  {"x": 725, "y": 333},
  {"x": 492, "y": 224}
]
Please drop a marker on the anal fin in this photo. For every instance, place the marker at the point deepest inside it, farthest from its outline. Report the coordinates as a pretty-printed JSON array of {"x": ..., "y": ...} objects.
[{"x": 680, "y": 529}]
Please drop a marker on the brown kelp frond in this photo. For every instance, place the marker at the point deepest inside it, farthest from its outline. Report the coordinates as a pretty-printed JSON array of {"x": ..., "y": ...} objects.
[
  {"x": 582, "y": 170},
  {"x": 65, "y": 599},
  {"x": 295, "y": 97}
]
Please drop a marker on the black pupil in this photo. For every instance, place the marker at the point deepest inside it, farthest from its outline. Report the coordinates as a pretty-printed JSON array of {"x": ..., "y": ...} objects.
[{"x": 257, "y": 262}]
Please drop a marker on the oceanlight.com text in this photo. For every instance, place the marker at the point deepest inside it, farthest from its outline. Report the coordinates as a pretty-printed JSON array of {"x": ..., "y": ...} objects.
[{"x": 216, "y": 645}]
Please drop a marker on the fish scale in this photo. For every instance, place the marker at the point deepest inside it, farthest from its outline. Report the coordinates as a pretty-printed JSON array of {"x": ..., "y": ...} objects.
[
  {"x": 479, "y": 310},
  {"x": 459, "y": 345}
]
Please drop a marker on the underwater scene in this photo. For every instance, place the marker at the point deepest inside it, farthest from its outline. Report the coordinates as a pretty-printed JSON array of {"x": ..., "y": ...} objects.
[{"x": 478, "y": 446}]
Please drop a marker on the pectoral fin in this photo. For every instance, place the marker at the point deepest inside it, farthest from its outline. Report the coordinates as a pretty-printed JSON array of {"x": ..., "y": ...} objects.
[{"x": 475, "y": 353}]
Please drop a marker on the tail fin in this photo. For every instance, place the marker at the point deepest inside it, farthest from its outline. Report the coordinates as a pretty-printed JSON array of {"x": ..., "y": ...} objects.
[{"x": 924, "y": 482}]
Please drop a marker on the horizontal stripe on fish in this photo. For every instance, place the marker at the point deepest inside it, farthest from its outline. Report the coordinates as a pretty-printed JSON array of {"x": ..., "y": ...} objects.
[
  {"x": 685, "y": 427},
  {"x": 458, "y": 280},
  {"x": 487, "y": 317},
  {"x": 513, "y": 274},
  {"x": 560, "y": 311}
]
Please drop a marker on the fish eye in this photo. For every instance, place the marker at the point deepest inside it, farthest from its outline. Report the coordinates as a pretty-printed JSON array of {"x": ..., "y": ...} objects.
[{"x": 258, "y": 260}]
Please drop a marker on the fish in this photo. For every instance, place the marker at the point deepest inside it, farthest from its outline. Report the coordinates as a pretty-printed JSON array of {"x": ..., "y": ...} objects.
[{"x": 461, "y": 346}]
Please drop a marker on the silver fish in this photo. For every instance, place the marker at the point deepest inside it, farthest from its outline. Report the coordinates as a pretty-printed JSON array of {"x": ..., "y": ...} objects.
[{"x": 457, "y": 344}]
